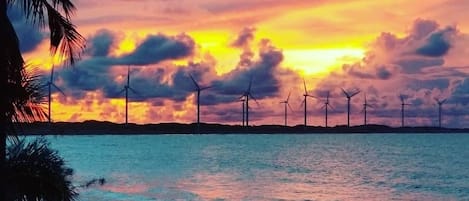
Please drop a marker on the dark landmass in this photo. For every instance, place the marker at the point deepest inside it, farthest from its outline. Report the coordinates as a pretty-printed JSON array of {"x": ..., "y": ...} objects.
[{"x": 103, "y": 127}]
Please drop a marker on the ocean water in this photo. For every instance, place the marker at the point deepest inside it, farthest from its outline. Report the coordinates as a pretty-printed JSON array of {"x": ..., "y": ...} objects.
[{"x": 269, "y": 167}]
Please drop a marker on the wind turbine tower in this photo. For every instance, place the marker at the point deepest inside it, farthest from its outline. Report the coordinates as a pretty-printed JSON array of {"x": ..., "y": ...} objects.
[
  {"x": 246, "y": 96},
  {"x": 287, "y": 105},
  {"x": 49, "y": 85},
  {"x": 365, "y": 106},
  {"x": 403, "y": 104},
  {"x": 349, "y": 96},
  {"x": 126, "y": 90},
  {"x": 326, "y": 107},
  {"x": 440, "y": 104},
  {"x": 242, "y": 100},
  {"x": 198, "y": 89},
  {"x": 305, "y": 95}
]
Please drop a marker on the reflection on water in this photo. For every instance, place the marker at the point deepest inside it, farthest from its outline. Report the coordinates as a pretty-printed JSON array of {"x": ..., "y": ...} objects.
[{"x": 271, "y": 167}]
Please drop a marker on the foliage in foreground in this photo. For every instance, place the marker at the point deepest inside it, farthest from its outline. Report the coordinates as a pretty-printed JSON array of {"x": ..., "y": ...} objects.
[{"x": 36, "y": 172}]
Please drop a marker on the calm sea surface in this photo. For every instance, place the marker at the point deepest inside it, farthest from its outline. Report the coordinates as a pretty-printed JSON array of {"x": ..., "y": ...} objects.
[{"x": 270, "y": 167}]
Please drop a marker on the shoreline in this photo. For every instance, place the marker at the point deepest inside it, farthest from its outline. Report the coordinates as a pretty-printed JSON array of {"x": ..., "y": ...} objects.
[{"x": 109, "y": 128}]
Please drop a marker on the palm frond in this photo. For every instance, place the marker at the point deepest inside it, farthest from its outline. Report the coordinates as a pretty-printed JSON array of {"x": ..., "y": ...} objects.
[
  {"x": 64, "y": 38},
  {"x": 36, "y": 172},
  {"x": 28, "y": 98},
  {"x": 25, "y": 100}
]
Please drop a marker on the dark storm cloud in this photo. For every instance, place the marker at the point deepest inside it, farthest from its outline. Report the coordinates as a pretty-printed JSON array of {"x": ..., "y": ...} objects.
[
  {"x": 100, "y": 43},
  {"x": 87, "y": 75},
  {"x": 440, "y": 83},
  {"x": 244, "y": 37},
  {"x": 94, "y": 71},
  {"x": 383, "y": 73},
  {"x": 262, "y": 73},
  {"x": 29, "y": 35},
  {"x": 156, "y": 48},
  {"x": 437, "y": 44},
  {"x": 415, "y": 65}
]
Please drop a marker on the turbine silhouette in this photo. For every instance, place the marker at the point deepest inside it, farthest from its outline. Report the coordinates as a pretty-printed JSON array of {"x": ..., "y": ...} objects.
[
  {"x": 198, "y": 89},
  {"x": 246, "y": 96},
  {"x": 403, "y": 104},
  {"x": 440, "y": 104},
  {"x": 126, "y": 90},
  {"x": 349, "y": 96},
  {"x": 365, "y": 106},
  {"x": 242, "y": 105},
  {"x": 49, "y": 85},
  {"x": 287, "y": 104},
  {"x": 305, "y": 95},
  {"x": 326, "y": 107}
]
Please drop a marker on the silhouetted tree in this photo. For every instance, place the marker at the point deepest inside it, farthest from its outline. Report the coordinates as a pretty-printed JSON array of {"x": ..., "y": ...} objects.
[
  {"x": 16, "y": 103},
  {"x": 36, "y": 172}
]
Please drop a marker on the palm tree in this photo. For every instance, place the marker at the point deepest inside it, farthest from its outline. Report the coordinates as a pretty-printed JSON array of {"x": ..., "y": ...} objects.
[
  {"x": 17, "y": 105},
  {"x": 36, "y": 172}
]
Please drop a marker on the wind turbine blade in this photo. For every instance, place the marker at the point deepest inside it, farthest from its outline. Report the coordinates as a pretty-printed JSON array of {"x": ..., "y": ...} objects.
[
  {"x": 345, "y": 92},
  {"x": 444, "y": 100},
  {"x": 402, "y": 98},
  {"x": 58, "y": 89},
  {"x": 437, "y": 100},
  {"x": 331, "y": 107},
  {"x": 302, "y": 103},
  {"x": 289, "y": 106},
  {"x": 204, "y": 88},
  {"x": 357, "y": 92},
  {"x": 255, "y": 100},
  {"x": 288, "y": 98},
  {"x": 128, "y": 76},
  {"x": 304, "y": 84},
  {"x": 135, "y": 92},
  {"x": 121, "y": 91},
  {"x": 195, "y": 83},
  {"x": 312, "y": 96},
  {"x": 324, "y": 106},
  {"x": 250, "y": 83},
  {"x": 52, "y": 74}
]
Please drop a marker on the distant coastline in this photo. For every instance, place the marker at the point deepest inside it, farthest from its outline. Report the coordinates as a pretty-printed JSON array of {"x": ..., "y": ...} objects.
[{"x": 103, "y": 127}]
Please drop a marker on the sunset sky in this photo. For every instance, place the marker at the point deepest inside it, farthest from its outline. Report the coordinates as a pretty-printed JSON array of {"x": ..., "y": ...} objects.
[{"x": 384, "y": 48}]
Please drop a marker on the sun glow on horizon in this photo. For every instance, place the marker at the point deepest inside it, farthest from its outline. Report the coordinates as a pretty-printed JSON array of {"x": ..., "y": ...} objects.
[{"x": 320, "y": 61}]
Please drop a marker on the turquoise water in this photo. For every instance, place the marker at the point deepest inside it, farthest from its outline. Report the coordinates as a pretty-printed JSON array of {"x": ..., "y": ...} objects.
[{"x": 270, "y": 167}]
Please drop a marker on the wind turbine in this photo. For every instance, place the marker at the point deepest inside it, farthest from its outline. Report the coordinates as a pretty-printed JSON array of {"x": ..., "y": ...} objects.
[
  {"x": 365, "y": 105},
  {"x": 126, "y": 90},
  {"x": 403, "y": 104},
  {"x": 51, "y": 84},
  {"x": 198, "y": 89},
  {"x": 349, "y": 96},
  {"x": 287, "y": 104},
  {"x": 242, "y": 105},
  {"x": 246, "y": 96},
  {"x": 440, "y": 104},
  {"x": 326, "y": 106},
  {"x": 305, "y": 95}
]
